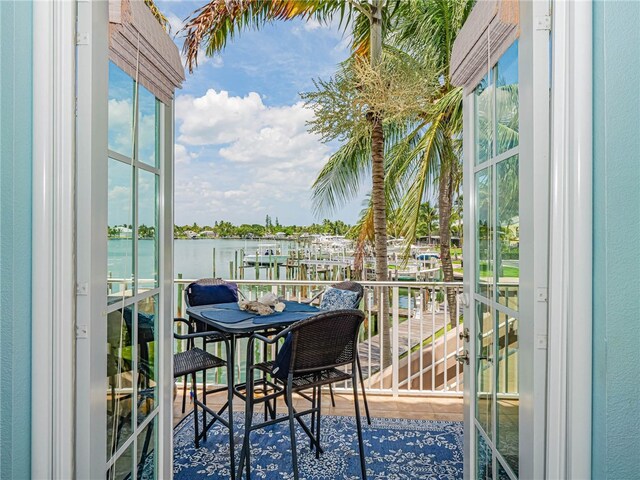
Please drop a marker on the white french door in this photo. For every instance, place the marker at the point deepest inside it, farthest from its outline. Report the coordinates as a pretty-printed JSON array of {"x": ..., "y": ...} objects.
[
  {"x": 506, "y": 134},
  {"x": 124, "y": 245}
]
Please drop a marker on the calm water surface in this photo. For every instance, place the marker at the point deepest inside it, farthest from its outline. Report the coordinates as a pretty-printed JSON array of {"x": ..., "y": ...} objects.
[{"x": 192, "y": 258}]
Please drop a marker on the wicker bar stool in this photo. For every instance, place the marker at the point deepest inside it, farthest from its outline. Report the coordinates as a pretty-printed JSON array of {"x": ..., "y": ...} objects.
[
  {"x": 317, "y": 346},
  {"x": 198, "y": 293},
  {"x": 359, "y": 290},
  {"x": 194, "y": 360}
]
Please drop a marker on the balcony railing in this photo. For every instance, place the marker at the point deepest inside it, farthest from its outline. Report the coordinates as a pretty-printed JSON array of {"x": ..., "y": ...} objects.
[{"x": 414, "y": 355}]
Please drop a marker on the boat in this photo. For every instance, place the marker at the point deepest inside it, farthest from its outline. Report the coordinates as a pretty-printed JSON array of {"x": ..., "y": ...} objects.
[
  {"x": 427, "y": 256},
  {"x": 266, "y": 254}
]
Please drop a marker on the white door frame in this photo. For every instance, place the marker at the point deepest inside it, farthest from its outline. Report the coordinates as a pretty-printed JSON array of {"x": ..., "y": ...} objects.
[
  {"x": 167, "y": 307},
  {"x": 91, "y": 244},
  {"x": 53, "y": 245},
  {"x": 91, "y": 247},
  {"x": 468, "y": 252},
  {"x": 570, "y": 278},
  {"x": 533, "y": 69}
]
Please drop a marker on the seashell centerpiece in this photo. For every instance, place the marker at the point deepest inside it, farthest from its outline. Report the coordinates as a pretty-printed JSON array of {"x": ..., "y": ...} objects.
[{"x": 255, "y": 307}]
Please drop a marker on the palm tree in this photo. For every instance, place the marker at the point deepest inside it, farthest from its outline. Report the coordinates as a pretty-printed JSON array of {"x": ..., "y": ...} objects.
[
  {"x": 457, "y": 218},
  {"x": 219, "y": 20},
  {"x": 423, "y": 147},
  {"x": 431, "y": 152},
  {"x": 428, "y": 220}
]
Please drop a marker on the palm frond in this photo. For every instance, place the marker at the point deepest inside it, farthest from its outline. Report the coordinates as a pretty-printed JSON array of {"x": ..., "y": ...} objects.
[
  {"x": 219, "y": 21},
  {"x": 162, "y": 20},
  {"x": 340, "y": 179},
  {"x": 404, "y": 157},
  {"x": 431, "y": 150}
]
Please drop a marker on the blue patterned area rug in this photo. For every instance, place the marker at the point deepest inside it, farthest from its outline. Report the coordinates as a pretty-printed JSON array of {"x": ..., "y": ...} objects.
[{"x": 395, "y": 449}]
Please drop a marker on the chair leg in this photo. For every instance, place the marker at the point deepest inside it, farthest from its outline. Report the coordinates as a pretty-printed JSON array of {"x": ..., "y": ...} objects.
[
  {"x": 185, "y": 381},
  {"x": 272, "y": 408},
  {"x": 195, "y": 409},
  {"x": 204, "y": 400},
  {"x": 313, "y": 416},
  {"x": 318, "y": 415},
  {"x": 231, "y": 439},
  {"x": 267, "y": 404},
  {"x": 364, "y": 392},
  {"x": 333, "y": 400},
  {"x": 145, "y": 450},
  {"x": 184, "y": 393},
  {"x": 231, "y": 436},
  {"x": 292, "y": 428},
  {"x": 204, "y": 394},
  {"x": 363, "y": 466},
  {"x": 245, "y": 453}
]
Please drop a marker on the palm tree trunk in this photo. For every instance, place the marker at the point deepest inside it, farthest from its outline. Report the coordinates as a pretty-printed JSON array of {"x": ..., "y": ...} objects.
[
  {"x": 445, "y": 201},
  {"x": 380, "y": 231},
  {"x": 377, "y": 192}
]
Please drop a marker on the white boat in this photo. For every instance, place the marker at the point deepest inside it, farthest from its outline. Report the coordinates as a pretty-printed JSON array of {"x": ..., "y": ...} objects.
[{"x": 266, "y": 254}]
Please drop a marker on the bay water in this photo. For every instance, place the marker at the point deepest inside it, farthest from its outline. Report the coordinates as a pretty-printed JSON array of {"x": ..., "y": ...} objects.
[{"x": 192, "y": 258}]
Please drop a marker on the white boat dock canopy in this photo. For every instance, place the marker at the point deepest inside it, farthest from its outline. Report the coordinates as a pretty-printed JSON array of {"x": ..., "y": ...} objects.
[
  {"x": 492, "y": 26},
  {"x": 137, "y": 42}
]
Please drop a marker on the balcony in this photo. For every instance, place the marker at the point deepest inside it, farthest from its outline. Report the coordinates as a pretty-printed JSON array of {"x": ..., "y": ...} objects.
[{"x": 419, "y": 382}]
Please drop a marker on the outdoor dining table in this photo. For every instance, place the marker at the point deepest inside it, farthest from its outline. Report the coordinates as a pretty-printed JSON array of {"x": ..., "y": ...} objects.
[{"x": 228, "y": 319}]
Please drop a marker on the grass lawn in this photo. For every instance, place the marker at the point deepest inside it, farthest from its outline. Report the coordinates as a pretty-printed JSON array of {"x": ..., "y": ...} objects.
[{"x": 507, "y": 271}]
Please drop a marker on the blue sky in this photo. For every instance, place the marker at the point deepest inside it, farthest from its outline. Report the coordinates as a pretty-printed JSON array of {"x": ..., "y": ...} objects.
[{"x": 242, "y": 146}]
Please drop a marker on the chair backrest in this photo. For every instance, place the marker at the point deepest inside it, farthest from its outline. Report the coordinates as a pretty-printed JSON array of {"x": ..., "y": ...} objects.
[
  {"x": 352, "y": 287},
  {"x": 325, "y": 340},
  {"x": 209, "y": 291}
]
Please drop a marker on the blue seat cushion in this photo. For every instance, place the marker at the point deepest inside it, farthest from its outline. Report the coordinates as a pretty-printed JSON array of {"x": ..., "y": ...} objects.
[
  {"x": 283, "y": 360},
  {"x": 211, "y": 294},
  {"x": 337, "y": 299}
]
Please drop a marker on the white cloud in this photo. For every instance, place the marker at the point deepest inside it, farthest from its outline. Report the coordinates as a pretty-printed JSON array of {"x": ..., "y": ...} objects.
[
  {"x": 246, "y": 129},
  {"x": 215, "y": 118},
  {"x": 312, "y": 24},
  {"x": 182, "y": 156},
  {"x": 120, "y": 125},
  {"x": 254, "y": 158}
]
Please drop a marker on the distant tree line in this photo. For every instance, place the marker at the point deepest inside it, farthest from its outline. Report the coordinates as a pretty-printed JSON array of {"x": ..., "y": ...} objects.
[
  {"x": 124, "y": 231},
  {"x": 225, "y": 229}
]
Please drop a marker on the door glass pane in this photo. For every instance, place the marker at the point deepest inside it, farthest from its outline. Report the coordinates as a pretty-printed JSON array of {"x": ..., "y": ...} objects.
[
  {"x": 122, "y": 469},
  {"x": 497, "y": 268},
  {"x": 146, "y": 459},
  {"x": 507, "y": 121},
  {"x": 502, "y": 472},
  {"x": 484, "y": 365},
  {"x": 147, "y": 127},
  {"x": 483, "y": 123},
  {"x": 148, "y": 252},
  {"x": 120, "y": 236},
  {"x": 484, "y": 460},
  {"x": 484, "y": 234},
  {"x": 119, "y": 378},
  {"x": 507, "y": 396},
  {"x": 508, "y": 224},
  {"x": 147, "y": 356},
  {"x": 121, "y": 88}
]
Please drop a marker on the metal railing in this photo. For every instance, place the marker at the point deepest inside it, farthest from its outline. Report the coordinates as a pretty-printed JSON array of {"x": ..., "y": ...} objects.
[{"x": 414, "y": 355}]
